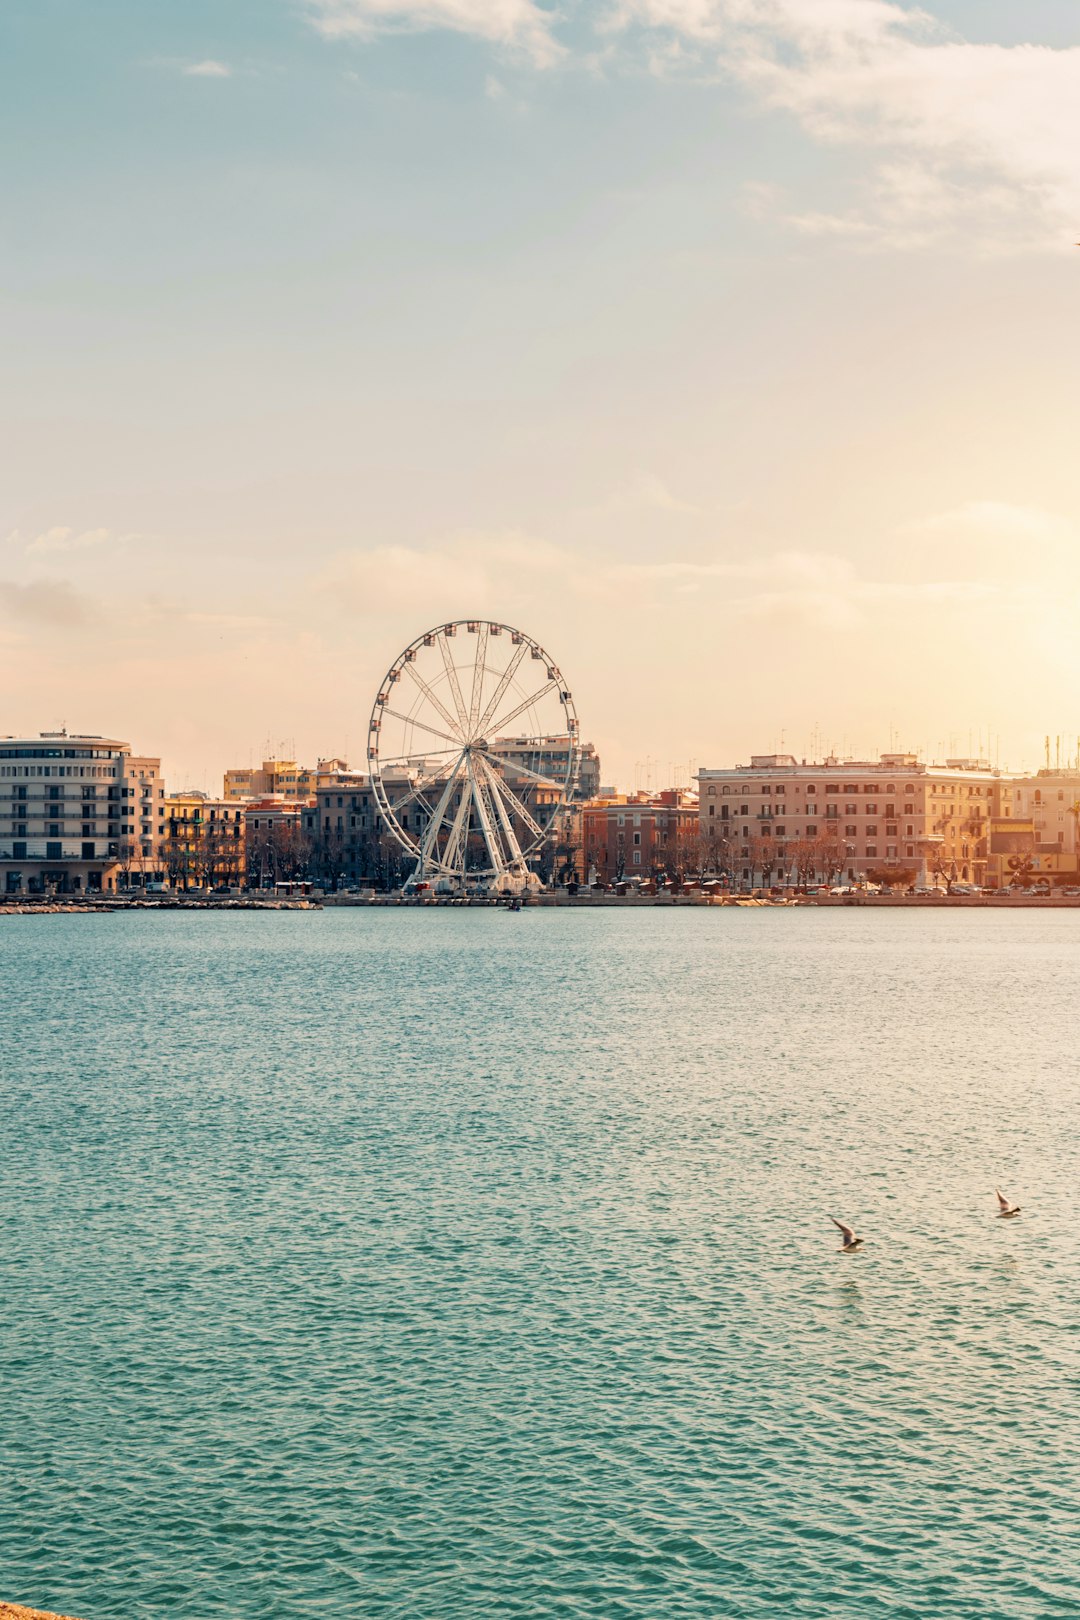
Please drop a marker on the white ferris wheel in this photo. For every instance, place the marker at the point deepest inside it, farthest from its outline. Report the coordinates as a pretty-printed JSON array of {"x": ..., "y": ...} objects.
[{"x": 473, "y": 752}]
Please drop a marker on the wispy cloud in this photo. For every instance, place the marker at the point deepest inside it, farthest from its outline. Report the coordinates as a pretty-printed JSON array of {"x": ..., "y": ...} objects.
[
  {"x": 49, "y": 602},
  {"x": 210, "y": 68},
  {"x": 976, "y": 139},
  {"x": 466, "y": 574},
  {"x": 519, "y": 25},
  {"x": 982, "y": 136},
  {"x": 62, "y": 539},
  {"x": 996, "y": 520}
]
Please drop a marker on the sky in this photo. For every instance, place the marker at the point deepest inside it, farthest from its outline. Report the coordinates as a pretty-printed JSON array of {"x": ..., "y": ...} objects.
[{"x": 728, "y": 346}]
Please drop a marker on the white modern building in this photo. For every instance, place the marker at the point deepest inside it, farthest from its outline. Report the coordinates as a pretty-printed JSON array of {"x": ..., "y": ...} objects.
[{"x": 78, "y": 814}]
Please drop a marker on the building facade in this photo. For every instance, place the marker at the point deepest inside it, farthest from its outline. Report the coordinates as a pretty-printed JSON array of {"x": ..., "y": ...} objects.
[
  {"x": 204, "y": 841},
  {"x": 342, "y": 830},
  {"x": 640, "y": 835},
  {"x": 779, "y": 820},
  {"x": 78, "y": 814},
  {"x": 276, "y": 845},
  {"x": 278, "y": 779},
  {"x": 548, "y": 757}
]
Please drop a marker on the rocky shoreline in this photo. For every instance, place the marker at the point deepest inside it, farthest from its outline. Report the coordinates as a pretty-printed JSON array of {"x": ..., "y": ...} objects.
[
  {"x": 1003, "y": 901},
  {"x": 14, "y": 1611}
]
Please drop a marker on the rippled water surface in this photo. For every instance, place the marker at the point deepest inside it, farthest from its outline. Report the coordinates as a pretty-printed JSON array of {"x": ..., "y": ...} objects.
[{"x": 470, "y": 1264}]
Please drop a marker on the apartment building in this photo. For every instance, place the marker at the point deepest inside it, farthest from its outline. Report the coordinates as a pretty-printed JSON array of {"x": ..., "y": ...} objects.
[
  {"x": 780, "y": 820},
  {"x": 278, "y": 779},
  {"x": 342, "y": 828},
  {"x": 547, "y": 757},
  {"x": 78, "y": 813},
  {"x": 639, "y": 835},
  {"x": 204, "y": 841}
]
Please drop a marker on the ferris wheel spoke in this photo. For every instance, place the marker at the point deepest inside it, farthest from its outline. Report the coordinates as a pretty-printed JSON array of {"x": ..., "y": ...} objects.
[
  {"x": 535, "y": 776},
  {"x": 455, "y": 688},
  {"x": 410, "y": 720},
  {"x": 453, "y": 855},
  {"x": 427, "y": 781},
  {"x": 519, "y": 808},
  {"x": 505, "y": 720},
  {"x": 434, "y": 699},
  {"x": 497, "y": 697},
  {"x": 429, "y": 839},
  {"x": 414, "y": 757},
  {"x": 484, "y": 816},
  {"x": 501, "y": 810},
  {"x": 477, "y": 690}
]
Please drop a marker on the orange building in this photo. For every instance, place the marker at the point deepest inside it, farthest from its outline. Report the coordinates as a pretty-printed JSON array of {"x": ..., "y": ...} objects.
[{"x": 642, "y": 835}]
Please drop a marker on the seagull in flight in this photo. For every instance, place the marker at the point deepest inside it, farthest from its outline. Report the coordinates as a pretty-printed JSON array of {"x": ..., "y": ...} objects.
[
  {"x": 851, "y": 1243},
  {"x": 1005, "y": 1209}
]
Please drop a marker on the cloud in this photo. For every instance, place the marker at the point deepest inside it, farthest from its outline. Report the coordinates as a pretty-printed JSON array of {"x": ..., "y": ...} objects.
[
  {"x": 996, "y": 520},
  {"x": 60, "y": 539},
  {"x": 54, "y": 603},
  {"x": 519, "y": 25},
  {"x": 458, "y": 577},
  {"x": 982, "y": 136},
  {"x": 208, "y": 69}
]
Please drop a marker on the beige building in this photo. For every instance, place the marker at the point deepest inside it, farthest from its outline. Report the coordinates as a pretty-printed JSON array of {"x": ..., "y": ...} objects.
[
  {"x": 781, "y": 820},
  {"x": 549, "y": 757},
  {"x": 77, "y": 814},
  {"x": 1051, "y": 800},
  {"x": 278, "y": 779},
  {"x": 204, "y": 843}
]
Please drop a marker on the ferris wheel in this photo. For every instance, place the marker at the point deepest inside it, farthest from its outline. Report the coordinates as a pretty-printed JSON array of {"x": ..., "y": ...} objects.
[{"x": 473, "y": 752}]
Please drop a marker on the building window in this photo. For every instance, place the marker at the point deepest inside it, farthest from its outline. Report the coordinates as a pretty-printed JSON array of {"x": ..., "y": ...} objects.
[
  {"x": 811, "y": 831},
  {"x": 871, "y": 832},
  {"x": 637, "y": 838},
  {"x": 871, "y": 849},
  {"x": 637, "y": 857},
  {"x": 911, "y": 849},
  {"x": 53, "y": 852},
  {"x": 18, "y": 852},
  {"x": 851, "y": 832},
  {"x": 88, "y": 852}
]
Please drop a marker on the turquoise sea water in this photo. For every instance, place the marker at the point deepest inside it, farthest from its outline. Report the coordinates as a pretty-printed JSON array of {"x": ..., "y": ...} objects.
[{"x": 464, "y": 1264}]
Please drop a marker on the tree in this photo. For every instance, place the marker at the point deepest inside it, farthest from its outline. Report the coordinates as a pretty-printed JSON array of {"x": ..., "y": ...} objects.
[
  {"x": 830, "y": 854},
  {"x": 760, "y": 857},
  {"x": 804, "y": 860},
  {"x": 893, "y": 877}
]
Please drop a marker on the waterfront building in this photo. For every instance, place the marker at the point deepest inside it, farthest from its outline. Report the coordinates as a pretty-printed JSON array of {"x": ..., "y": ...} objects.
[
  {"x": 78, "y": 813},
  {"x": 276, "y": 848},
  {"x": 548, "y": 756},
  {"x": 204, "y": 842},
  {"x": 1041, "y": 842},
  {"x": 278, "y": 779},
  {"x": 781, "y": 820},
  {"x": 646, "y": 835},
  {"x": 342, "y": 830}
]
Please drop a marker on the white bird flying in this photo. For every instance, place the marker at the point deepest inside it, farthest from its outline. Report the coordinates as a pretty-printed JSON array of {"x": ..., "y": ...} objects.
[
  {"x": 1005, "y": 1209},
  {"x": 851, "y": 1243}
]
